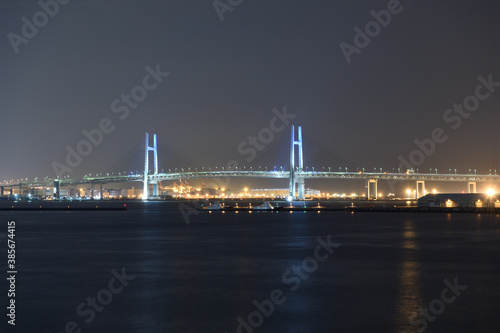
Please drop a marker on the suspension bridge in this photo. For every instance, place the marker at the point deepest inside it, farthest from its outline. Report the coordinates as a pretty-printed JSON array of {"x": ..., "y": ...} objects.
[{"x": 294, "y": 172}]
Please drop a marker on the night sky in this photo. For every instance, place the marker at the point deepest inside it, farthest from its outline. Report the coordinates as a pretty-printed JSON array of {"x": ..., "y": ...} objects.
[{"x": 226, "y": 77}]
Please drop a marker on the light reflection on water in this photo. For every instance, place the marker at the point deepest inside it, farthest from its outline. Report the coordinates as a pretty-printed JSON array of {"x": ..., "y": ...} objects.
[{"x": 410, "y": 298}]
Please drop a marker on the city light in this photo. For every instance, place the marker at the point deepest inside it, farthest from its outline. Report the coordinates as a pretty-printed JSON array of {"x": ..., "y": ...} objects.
[{"x": 490, "y": 192}]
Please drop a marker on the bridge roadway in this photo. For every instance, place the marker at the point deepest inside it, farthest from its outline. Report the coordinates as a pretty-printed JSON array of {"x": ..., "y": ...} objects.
[
  {"x": 330, "y": 175},
  {"x": 260, "y": 174}
]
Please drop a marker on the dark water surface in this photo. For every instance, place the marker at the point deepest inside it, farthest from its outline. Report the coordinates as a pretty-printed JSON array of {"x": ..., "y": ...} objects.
[{"x": 202, "y": 276}]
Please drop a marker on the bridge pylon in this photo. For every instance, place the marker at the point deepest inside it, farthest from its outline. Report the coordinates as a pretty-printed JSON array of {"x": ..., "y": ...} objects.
[
  {"x": 472, "y": 187},
  {"x": 421, "y": 188},
  {"x": 296, "y": 184},
  {"x": 371, "y": 187},
  {"x": 154, "y": 148}
]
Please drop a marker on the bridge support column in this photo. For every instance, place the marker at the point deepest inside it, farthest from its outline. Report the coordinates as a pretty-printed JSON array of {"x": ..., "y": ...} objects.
[
  {"x": 472, "y": 187},
  {"x": 100, "y": 191},
  {"x": 1, "y": 191},
  {"x": 155, "y": 189},
  {"x": 296, "y": 183},
  {"x": 92, "y": 191},
  {"x": 372, "y": 194},
  {"x": 420, "y": 188},
  {"x": 301, "y": 189},
  {"x": 56, "y": 194}
]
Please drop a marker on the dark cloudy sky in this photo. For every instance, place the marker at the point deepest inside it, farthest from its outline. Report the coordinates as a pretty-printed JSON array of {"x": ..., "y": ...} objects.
[{"x": 227, "y": 76}]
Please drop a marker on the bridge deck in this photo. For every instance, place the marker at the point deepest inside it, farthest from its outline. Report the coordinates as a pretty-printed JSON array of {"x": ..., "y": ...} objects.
[{"x": 264, "y": 174}]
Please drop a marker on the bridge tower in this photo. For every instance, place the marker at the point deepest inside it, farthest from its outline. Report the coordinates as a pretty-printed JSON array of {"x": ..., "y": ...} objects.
[
  {"x": 420, "y": 188},
  {"x": 145, "y": 192},
  {"x": 371, "y": 186},
  {"x": 56, "y": 190},
  {"x": 296, "y": 183},
  {"x": 472, "y": 187}
]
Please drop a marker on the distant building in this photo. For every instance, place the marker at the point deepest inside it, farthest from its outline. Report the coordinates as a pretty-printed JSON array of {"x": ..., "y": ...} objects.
[
  {"x": 281, "y": 192},
  {"x": 270, "y": 192},
  {"x": 112, "y": 194},
  {"x": 312, "y": 192},
  {"x": 450, "y": 200},
  {"x": 132, "y": 193}
]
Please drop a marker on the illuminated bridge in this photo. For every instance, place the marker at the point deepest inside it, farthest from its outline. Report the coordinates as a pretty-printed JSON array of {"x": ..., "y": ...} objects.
[{"x": 296, "y": 175}]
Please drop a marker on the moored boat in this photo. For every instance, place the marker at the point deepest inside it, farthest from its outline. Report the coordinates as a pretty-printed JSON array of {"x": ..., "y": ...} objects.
[
  {"x": 265, "y": 206},
  {"x": 215, "y": 206}
]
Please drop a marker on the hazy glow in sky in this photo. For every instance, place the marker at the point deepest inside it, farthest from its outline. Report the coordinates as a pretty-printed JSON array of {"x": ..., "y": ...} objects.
[{"x": 226, "y": 77}]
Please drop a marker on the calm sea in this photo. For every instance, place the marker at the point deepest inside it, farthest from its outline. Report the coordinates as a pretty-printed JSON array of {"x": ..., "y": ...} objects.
[{"x": 259, "y": 272}]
